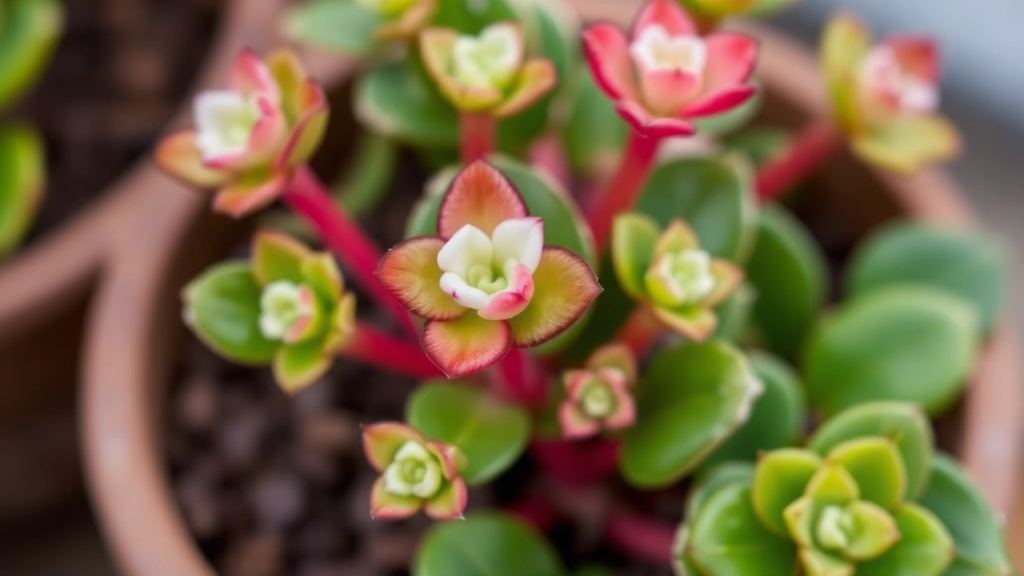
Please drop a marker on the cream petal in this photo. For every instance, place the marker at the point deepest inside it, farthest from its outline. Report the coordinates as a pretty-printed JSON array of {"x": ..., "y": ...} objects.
[
  {"x": 466, "y": 247},
  {"x": 466, "y": 295},
  {"x": 224, "y": 120},
  {"x": 519, "y": 239}
]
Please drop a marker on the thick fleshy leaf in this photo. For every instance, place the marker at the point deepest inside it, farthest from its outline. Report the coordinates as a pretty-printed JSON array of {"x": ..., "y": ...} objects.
[
  {"x": 490, "y": 433},
  {"x": 876, "y": 465},
  {"x": 479, "y": 196},
  {"x": 728, "y": 278},
  {"x": 691, "y": 322},
  {"x": 289, "y": 73},
  {"x": 634, "y": 238},
  {"x": 787, "y": 269},
  {"x": 716, "y": 478},
  {"x": 760, "y": 144},
  {"x": 411, "y": 273},
  {"x": 29, "y": 32},
  {"x": 616, "y": 356},
  {"x": 308, "y": 131},
  {"x": 341, "y": 25},
  {"x": 178, "y": 155},
  {"x": 484, "y": 545},
  {"x": 844, "y": 46},
  {"x": 564, "y": 288},
  {"x": 22, "y": 182},
  {"x": 902, "y": 343},
  {"x": 537, "y": 78},
  {"x": 726, "y": 537},
  {"x": 778, "y": 416},
  {"x": 450, "y": 502},
  {"x": 817, "y": 563},
  {"x": 248, "y": 195},
  {"x": 222, "y": 307},
  {"x": 688, "y": 402},
  {"x": 924, "y": 549},
  {"x": 387, "y": 506},
  {"x": 382, "y": 441},
  {"x": 876, "y": 531},
  {"x": 955, "y": 500},
  {"x": 414, "y": 19},
  {"x": 832, "y": 485},
  {"x": 781, "y": 477},
  {"x": 320, "y": 271},
  {"x": 467, "y": 344},
  {"x": 437, "y": 46},
  {"x": 734, "y": 120},
  {"x": 276, "y": 256},
  {"x": 903, "y": 423},
  {"x": 964, "y": 264},
  {"x": 396, "y": 101},
  {"x": 593, "y": 136},
  {"x": 909, "y": 143},
  {"x": 299, "y": 365}
]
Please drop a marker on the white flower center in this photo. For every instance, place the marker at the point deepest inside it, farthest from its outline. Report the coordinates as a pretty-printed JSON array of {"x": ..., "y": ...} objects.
[
  {"x": 882, "y": 73},
  {"x": 388, "y": 8},
  {"x": 493, "y": 274},
  {"x": 285, "y": 310},
  {"x": 414, "y": 472},
  {"x": 683, "y": 277},
  {"x": 489, "y": 60},
  {"x": 655, "y": 50},
  {"x": 597, "y": 400},
  {"x": 224, "y": 121},
  {"x": 833, "y": 528}
]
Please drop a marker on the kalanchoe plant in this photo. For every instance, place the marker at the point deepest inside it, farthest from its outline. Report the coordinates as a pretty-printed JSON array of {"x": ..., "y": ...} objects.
[
  {"x": 600, "y": 395},
  {"x": 669, "y": 273},
  {"x": 416, "y": 474}
]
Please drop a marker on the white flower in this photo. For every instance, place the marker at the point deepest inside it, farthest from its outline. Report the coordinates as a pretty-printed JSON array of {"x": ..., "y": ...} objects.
[
  {"x": 489, "y": 60},
  {"x": 493, "y": 275},
  {"x": 414, "y": 472},
  {"x": 286, "y": 310},
  {"x": 224, "y": 122},
  {"x": 882, "y": 74},
  {"x": 682, "y": 277},
  {"x": 656, "y": 50}
]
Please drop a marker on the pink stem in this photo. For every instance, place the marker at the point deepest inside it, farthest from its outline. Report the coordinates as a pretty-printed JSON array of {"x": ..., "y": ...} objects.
[
  {"x": 548, "y": 156},
  {"x": 522, "y": 379},
  {"x": 374, "y": 348},
  {"x": 641, "y": 538},
  {"x": 478, "y": 133},
  {"x": 641, "y": 331},
  {"x": 577, "y": 463},
  {"x": 308, "y": 197},
  {"x": 818, "y": 142},
  {"x": 625, "y": 187}
]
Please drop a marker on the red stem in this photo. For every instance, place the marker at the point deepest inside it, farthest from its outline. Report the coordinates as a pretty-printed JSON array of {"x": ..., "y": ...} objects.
[
  {"x": 577, "y": 463},
  {"x": 641, "y": 538},
  {"x": 641, "y": 331},
  {"x": 818, "y": 142},
  {"x": 308, "y": 197},
  {"x": 522, "y": 379},
  {"x": 478, "y": 136},
  {"x": 374, "y": 348},
  {"x": 625, "y": 187}
]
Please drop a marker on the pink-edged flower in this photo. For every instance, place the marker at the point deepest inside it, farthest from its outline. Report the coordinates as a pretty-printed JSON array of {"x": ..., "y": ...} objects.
[
  {"x": 249, "y": 137},
  {"x": 486, "y": 282},
  {"x": 489, "y": 72},
  {"x": 668, "y": 75},
  {"x": 400, "y": 18},
  {"x": 599, "y": 397},
  {"x": 886, "y": 96},
  {"x": 416, "y": 474}
]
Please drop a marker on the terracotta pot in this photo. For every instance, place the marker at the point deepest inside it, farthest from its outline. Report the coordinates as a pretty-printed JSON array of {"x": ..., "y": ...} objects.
[{"x": 135, "y": 328}]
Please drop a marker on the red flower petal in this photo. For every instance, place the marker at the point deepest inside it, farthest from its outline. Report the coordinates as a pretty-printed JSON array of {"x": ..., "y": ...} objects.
[
  {"x": 466, "y": 345},
  {"x": 732, "y": 59},
  {"x": 608, "y": 55},
  {"x": 574, "y": 423},
  {"x": 249, "y": 74},
  {"x": 242, "y": 198},
  {"x": 918, "y": 56},
  {"x": 669, "y": 90},
  {"x": 382, "y": 441},
  {"x": 719, "y": 102},
  {"x": 450, "y": 503},
  {"x": 387, "y": 506},
  {"x": 665, "y": 13},
  {"x": 481, "y": 196},
  {"x": 662, "y": 127}
]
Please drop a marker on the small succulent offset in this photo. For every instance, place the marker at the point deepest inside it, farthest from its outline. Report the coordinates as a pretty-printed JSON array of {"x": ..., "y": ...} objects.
[
  {"x": 599, "y": 396},
  {"x": 668, "y": 272},
  {"x": 487, "y": 282},
  {"x": 416, "y": 473},
  {"x": 486, "y": 73},
  {"x": 287, "y": 307},
  {"x": 668, "y": 75},
  {"x": 885, "y": 96},
  {"x": 250, "y": 138}
]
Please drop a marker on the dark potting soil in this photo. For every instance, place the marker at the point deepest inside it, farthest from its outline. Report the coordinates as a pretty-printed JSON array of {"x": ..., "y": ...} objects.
[{"x": 120, "y": 72}]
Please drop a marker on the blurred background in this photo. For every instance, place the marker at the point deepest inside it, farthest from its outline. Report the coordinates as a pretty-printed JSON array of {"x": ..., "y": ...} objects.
[{"x": 984, "y": 93}]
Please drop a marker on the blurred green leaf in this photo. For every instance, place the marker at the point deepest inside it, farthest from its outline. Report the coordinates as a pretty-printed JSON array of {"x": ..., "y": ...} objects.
[
  {"x": 396, "y": 101},
  {"x": 963, "y": 264},
  {"x": 595, "y": 134},
  {"x": 22, "y": 182},
  {"x": 759, "y": 143},
  {"x": 485, "y": 544},
  {"x": 490, "y": 433},
  {"x": 924, "y": 547},
  {"x": 903, "y": 343},
  {"x": 690, "y": 399},
  {"x": 341, "y": 25},
  {"x": 472, "y": 16},
  {"x": 29, "y": 32}
]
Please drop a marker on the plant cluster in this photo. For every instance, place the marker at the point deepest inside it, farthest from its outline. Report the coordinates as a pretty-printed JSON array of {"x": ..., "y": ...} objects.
[{"x": 573, "y": 289}]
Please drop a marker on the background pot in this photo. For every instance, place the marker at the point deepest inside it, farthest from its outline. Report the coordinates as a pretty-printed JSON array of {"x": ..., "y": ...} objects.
[{"x": 134, "y": 331}]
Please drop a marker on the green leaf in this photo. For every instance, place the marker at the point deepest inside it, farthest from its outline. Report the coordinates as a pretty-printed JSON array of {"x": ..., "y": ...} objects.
[
  {"x": 902, "y": 343},
  {"x": 223, "y": 308},
  {"x": 634, "y": 237},
  {"x": 727, "y": 539},
  {"x": 472, "y": 16},
  {"x": 733, "y": 119},
  {"x": 713, "y": 195},
  {"x": 689, "y": 401},
  {"x": 595, "y": 134},
  {"x": 341, "y": 25},
  {"x": 780, "y": 478},
  {"x": 924, "y": 548},
  {"x": 963, "y": 264},
  {"x": 714, "y": 480},
  {"x": 491, "y": 433},
  {"x": 734, "y": 314},
  {"x": 22, "y": 182},
  {"x": 29, "y": 32},
  {"x": 905, "y": 424},
  {"x": 980, "y": 544},
  {"x": 397, "y": 101},
  {"x": 788, "y": 271},
  {"x": 486, "y": 544},
  {"x": 369, "y": 173},
  {"x": 759, "y": 143},
  {"x": 778, "y": 415},
  {"x": 875, "y": 464}
]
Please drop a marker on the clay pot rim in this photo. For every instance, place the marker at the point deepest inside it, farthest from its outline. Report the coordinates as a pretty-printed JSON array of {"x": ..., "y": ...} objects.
[{"x": 126, "y": 467}]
